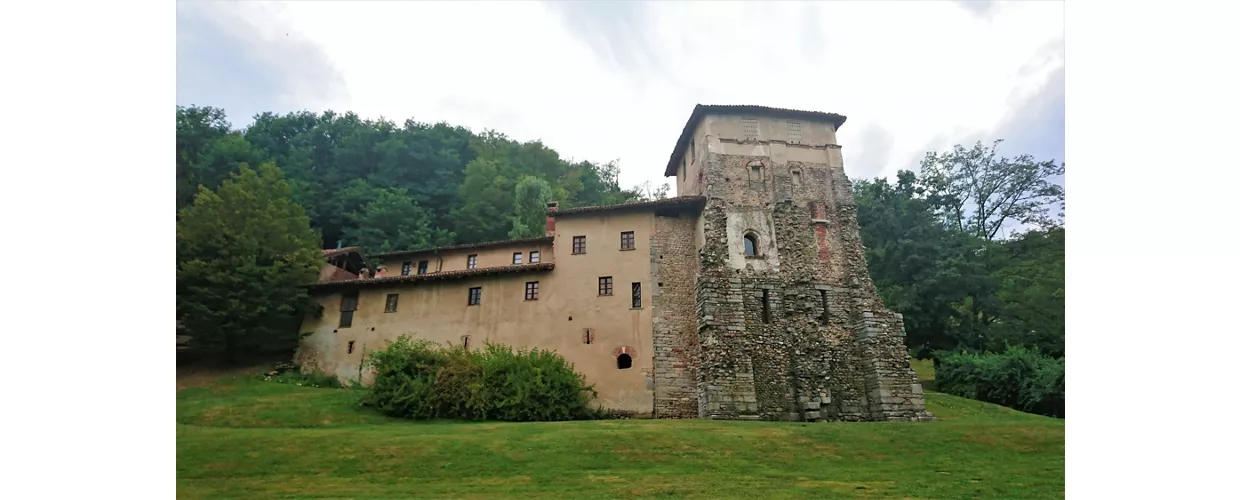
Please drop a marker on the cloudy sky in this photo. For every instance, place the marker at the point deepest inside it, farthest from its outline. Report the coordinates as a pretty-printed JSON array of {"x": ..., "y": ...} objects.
[{"x": 607, "y": 81}]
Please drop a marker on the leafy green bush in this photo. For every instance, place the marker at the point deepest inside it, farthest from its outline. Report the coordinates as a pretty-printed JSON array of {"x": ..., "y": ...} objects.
[
  {"x": 1020, "y": 378},
  {"x": 420, "y": 380}
]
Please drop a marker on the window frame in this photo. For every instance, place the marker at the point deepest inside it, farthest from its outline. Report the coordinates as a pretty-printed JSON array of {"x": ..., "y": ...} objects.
[
  {"x": 605, "y": 283},
  {"x": 636, "y": 291},
  {"x": 579, "y": 245},
  {"x": 348, "y": 304},
  {"x": 531, "y": 290},
  {"x": 475, "y": 296},
  {"x": 424, "y": 267},
  {"x": 535, "y": 257},
  {"x": 471, "y": 261},
  {"x": 631, "y": 240},
  {"x": 517, "y": 257},
  {"x": 406, "y": 267},
  {"x": 391, "y": 303}
]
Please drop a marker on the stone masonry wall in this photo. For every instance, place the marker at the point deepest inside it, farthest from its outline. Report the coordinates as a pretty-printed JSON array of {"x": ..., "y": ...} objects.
[
  {"x": 800, "y": 335},
  {"x": 673, "y": 271}
]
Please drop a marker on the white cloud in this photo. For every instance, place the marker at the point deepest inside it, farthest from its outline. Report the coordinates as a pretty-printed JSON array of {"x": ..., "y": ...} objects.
[{"x": 606, "y": 81}]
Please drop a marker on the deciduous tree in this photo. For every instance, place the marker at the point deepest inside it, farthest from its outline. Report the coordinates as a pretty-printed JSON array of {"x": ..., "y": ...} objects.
[{"x": 244, "y": 253}]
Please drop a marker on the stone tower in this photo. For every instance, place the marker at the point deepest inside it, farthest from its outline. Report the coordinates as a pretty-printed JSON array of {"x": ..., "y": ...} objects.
[{"x": 789, "y": 324}]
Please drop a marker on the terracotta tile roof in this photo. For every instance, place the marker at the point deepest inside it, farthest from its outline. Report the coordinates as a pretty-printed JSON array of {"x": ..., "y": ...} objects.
[
  {"x": 701, "y": 110},
  {"x": 463, "y": 246},
  {"x": 676, "y": 203},
  {"x": 443, "y": 275},
  {"x": 332, "y": 252}
]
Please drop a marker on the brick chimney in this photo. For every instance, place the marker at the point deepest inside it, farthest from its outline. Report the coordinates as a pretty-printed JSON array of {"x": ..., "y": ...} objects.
[{"x": 552, "y": 207}]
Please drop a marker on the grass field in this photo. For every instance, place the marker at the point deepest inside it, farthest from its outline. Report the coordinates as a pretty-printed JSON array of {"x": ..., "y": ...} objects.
[{"x": 239, "y": 437}]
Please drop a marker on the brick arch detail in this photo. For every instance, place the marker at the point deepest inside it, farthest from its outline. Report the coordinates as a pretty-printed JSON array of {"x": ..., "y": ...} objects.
[{"x": 624, "y": 349}]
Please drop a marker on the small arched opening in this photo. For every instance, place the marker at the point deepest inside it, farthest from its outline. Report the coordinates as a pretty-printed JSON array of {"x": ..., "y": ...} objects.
[
  {"x": 796, "y": 177},
  {"x": 751, "y": 245},
  {"x": 624, "y": 362}
]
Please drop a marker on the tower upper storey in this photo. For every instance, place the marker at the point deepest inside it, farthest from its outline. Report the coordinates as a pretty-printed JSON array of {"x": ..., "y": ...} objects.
[{"x": 775, "y": 136}]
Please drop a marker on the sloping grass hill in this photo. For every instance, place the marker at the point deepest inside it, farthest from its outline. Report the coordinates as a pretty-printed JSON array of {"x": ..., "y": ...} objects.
[{"x": 240, "y": 437}]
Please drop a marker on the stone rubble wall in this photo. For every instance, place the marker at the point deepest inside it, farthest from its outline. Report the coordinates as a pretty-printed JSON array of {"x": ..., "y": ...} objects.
[
  {"x": 673, "y": 272},
  {"x": 795, "y": 363}
]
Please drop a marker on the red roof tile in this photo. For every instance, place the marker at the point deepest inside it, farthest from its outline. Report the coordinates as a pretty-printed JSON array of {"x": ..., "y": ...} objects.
[
  {"x": 443, "y": 275},
  {"x": 677, "y": 202},
  {"x": 332, "y": 252},
  {"x": 463, "y": 246}
]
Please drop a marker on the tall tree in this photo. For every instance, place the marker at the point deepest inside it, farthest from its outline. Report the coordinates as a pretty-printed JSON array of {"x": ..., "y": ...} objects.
[
  {"x": 647, "y": 192},
  {"x": 920, "y": 267},
  {"x": 529, "y": 206},
  {"x": 392, "y": 221},
  {"x": 980, "y": 194},
  {"x": 1030, "y": 292},
  {"x": 244, "y": 252}
]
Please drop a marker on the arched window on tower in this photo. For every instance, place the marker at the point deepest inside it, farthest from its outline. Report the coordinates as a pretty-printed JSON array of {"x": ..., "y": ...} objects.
[
  {"x": 624, "y": 361},
  {"x": 796, "y": 177},
  {"x": 751, "y": 245}
]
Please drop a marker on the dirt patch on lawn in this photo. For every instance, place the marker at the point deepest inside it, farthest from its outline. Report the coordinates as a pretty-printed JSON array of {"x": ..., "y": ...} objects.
[{"x": 204, "y": 375}]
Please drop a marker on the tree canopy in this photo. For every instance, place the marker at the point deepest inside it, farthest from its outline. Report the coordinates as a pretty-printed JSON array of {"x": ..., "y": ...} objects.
[
  {"x": 464, "y": 183},
  {"x": 937, "y": 251},
  {"x": 244, "y": 253}
]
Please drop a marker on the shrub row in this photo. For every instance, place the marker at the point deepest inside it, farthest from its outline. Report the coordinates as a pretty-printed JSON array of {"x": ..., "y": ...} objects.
[
  {"x": 1019, "y": 378},
  {"x": 420, "y": 380}
]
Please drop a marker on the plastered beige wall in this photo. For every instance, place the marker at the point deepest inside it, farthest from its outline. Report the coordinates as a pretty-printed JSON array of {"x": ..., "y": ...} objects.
[{"x": 439, "y": 310}]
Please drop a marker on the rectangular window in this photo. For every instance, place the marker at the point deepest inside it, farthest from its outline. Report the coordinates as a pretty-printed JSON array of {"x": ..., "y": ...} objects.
[
  {"x": 348, "y": 304},
  {"x": 579, "y": 244},
  {"x": 588, "y": 336},
  {"x": 406, "y": 268},
  {"x": 390, "y": 306},
  {"x": 422, "y": 266},
  {"x": 534, "y": 257},
  {"x": 604, "y": 285},
  {"x": 465, "y": 341},
  {"x": 692, "y": 152},
  {"x": 516, "y": 257},
  {"x": 826, "y": 310},
  {"x": 471, "y": 262},
  {"x": 766, "y": 306},
  {"x": 637, "y": 295},
  {"x": 531, "y": 290},
  {"x": 626, "y": 240},
  {"x": 475, "y": 296}
]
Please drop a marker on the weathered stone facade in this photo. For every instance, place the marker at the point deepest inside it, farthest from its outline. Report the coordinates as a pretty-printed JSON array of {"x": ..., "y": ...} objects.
[
  {"x": 796, "y": 330},
  {"x": 673, "y": 269}
]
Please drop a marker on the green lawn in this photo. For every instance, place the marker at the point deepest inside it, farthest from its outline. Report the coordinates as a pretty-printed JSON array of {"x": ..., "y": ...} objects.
[
  {"x": 243, "y": 438},
  {"x": 923, "y": 367}
]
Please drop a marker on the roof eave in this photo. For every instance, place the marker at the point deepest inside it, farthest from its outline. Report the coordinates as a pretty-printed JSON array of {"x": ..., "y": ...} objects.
[{"x": 439, "y": 276}]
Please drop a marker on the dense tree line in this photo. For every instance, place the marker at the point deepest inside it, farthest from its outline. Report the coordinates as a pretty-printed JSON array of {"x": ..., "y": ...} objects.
[
  {"x": 389, "y": 186},
  {"x": 256, "y": 205},
  {"x": 937, "y": 253}
]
